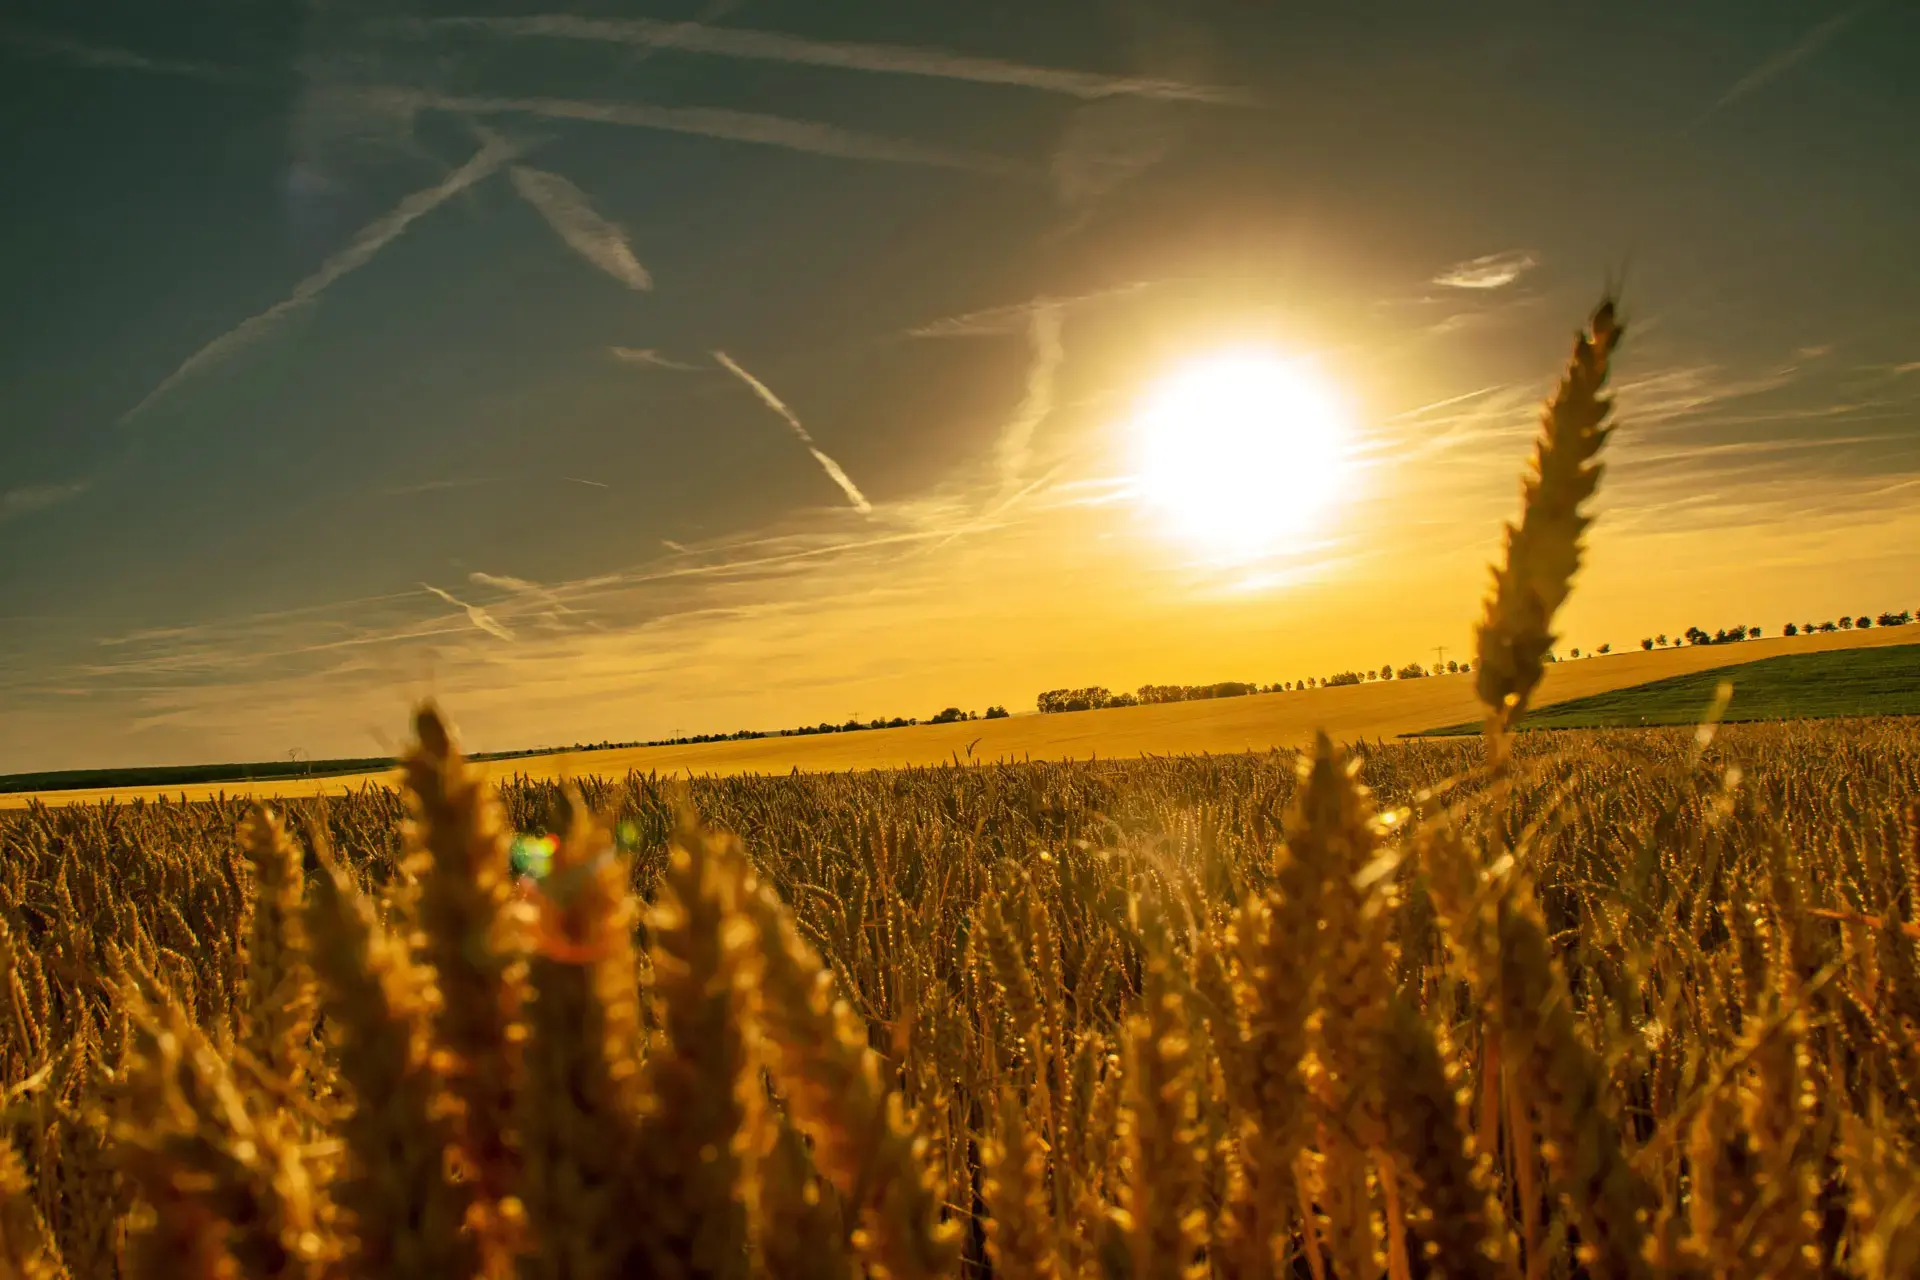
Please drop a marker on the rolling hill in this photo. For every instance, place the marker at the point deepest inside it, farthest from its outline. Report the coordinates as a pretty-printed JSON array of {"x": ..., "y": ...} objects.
[{"x": 1256, "y": 723}]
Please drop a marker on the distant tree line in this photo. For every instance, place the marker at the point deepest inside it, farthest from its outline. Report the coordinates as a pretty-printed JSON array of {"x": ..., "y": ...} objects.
[
  {"x": 947, "y": 715},
  {"x": 1733, "y": 635},
  {"x": 1095, "y": 697},
  {"x": 952, "y": 715}
]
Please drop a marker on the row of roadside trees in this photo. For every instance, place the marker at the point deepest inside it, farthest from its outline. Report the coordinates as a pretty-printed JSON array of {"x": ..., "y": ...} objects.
[
  {"x": 1095, "y": 697},
  {"x": 1733, "y": 635}
]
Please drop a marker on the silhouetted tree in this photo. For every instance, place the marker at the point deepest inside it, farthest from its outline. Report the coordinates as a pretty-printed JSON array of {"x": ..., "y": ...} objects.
[
  {"x": 1863, "y": 622},
  {"x": 997, "y": 712}
]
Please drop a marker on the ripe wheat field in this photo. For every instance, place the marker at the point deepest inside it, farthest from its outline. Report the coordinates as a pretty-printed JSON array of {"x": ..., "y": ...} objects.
[{"x": 1617, "y": 1004}]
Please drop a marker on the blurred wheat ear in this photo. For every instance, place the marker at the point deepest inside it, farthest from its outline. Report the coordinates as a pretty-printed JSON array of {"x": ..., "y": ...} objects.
[{"x": 1543, "y": 551}]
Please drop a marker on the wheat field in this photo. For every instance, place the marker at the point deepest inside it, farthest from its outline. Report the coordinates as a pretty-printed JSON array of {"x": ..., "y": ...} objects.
[
  {"x": 1261, "y": 722},
  {"x": 1621, "y": 1004}
]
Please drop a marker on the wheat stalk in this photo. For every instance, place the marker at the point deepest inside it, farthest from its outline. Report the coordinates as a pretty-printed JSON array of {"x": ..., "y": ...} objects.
[{"x": 1543, "y": 551}]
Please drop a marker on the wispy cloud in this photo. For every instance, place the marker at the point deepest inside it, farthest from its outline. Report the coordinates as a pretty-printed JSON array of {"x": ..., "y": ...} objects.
[
  {"x": 594, "y": 484},
  {"x": 568, "y": 211},
  {"x": 1106, "y": 145},
  {"x": 556, "y": 608},
  {"x": 773, "y": 402},
  {"x": 653, "y": 359},
  {"x": 478, "y": 616},
  {"x": 1493, "y": 271},
  {"x": 1785, "y": 60},
  {"x": 107, "y": 57},
  {"x": 809, "y": 136},
  {"x": 773, "y": 46},
  {"x": 1044, "y": 325},
  {"x": 1016, "y": 317},
  {"x": 28, "y": 499},
  {"x": 436, "y": 486},
  {"x": 372, "y": 238}
]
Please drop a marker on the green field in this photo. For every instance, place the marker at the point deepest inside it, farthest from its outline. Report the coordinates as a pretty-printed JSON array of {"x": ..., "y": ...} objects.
[{"x": 1800, "y": 686}]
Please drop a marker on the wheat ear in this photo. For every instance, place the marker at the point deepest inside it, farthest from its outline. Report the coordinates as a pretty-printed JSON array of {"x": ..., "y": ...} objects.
[
  {"x": 863, "y": 1139},
  {"x": 700, "y": 1077},
  {"x": 583, "y": 1100},
  {"x": 282, "y": 998},
  {"x": 1543, "y": 551},
  {"x": 27, "y": 1250},
  {"x": 458, "y": 852},
  {"x": 1494, "y": 925},
  {"x": 409, "y": 1218},
  {"x": 187, "y": 1137}
]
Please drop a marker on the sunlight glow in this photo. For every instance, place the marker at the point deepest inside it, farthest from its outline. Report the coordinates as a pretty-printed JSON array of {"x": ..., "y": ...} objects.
[{"x": 1243, "y": 452}]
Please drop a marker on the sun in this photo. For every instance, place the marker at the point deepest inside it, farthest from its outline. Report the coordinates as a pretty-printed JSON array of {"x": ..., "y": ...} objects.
[{"x": 1243, "y": 452}]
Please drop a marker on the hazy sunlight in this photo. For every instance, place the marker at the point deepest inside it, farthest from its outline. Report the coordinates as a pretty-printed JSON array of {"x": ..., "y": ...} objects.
[{"x": 1242, "y": 451}]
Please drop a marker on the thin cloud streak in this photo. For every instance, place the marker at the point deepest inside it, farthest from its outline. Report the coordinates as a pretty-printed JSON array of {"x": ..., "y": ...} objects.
[
  {"x": 435, "y": 486},
  {"x": 523, "y": 587},
  {"x": 773, "y": 402},
  {"x": 1784, "y": 61},
  {"x": 1044, "y": 324},
  {"x": 652, "y": 359},
  {"x": 774, "y": 46},
  {"x": 374, "y": 237},
  {"x": 572, "y": 216},
  {"x": 595, "y": 484},
  {"x": 1015, "y": 317},
  {"x": 27, "y": 499},
  {"x": 810, "y": 136},
  {"x": 475, "y": 614},
  {"x": 107, "y": 57}
]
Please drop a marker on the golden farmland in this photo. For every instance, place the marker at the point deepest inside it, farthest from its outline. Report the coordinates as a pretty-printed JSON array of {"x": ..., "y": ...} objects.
[
  {"x": 1628, "y": 1005},
  {"x": 1256, "y": 723}
]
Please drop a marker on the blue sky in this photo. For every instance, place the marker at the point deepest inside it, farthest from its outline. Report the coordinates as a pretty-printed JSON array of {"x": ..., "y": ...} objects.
[{"x": 356, "y": 351}]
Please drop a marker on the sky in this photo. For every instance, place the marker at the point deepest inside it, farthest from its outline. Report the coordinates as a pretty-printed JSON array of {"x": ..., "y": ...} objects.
[{"x": 623, "y": 371}]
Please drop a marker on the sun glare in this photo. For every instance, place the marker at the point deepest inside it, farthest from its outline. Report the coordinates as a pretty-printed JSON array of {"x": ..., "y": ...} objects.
[{"x": 1243, "y": 452}]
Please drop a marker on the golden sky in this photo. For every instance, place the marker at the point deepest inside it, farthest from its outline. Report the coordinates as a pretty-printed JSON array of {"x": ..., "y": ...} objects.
[{"x": 796, "y": 378}]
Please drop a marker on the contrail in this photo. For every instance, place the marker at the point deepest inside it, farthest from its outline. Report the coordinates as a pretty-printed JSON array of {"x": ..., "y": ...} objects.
[
  {"x": 711, "y": 122},
  {"x": 774, "y": 46},
  {"x": 374, "y": 237},
  {"x": 475, "y": 614},
  {"x": 652, "y": 359},
  {"x": 105, "y": 56},
  {"x": 1787, "y": 59},
  {"x": 1016, "y": 441},
  {"x": 1017, "y": 317},
  {"x": 520, "y": 586},
  {"x": 579, "y": 224},
  {"x": 773, "y": 402}
]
